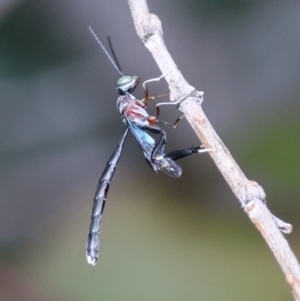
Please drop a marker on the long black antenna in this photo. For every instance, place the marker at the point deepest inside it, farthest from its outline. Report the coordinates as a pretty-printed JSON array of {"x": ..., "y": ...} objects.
[
  {"x": 114, "y": 62},
  {"x": 113, "y": 53}
]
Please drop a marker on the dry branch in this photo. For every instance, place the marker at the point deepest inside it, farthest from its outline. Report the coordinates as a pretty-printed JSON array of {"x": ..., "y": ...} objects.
[{"x": 249, "y": 193}]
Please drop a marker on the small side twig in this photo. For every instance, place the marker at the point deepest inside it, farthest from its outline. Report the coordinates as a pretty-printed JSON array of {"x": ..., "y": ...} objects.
[{"x": 249, "y": 193}]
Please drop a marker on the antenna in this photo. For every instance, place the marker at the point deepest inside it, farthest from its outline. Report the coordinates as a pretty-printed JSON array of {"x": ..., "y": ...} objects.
[
  {"x": 113, "y": 53},
  {"x": 113, "y": 61}
]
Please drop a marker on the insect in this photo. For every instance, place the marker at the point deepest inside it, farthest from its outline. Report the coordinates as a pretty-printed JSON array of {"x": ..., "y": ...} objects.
[{"x": 134, "y": 115}]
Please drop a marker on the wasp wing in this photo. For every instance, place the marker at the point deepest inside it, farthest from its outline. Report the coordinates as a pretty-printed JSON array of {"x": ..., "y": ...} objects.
[{"x": 160, "y": 161}]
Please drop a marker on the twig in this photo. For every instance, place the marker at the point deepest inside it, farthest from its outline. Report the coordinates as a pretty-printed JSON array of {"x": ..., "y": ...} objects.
[{"x": 249, "y": 193}]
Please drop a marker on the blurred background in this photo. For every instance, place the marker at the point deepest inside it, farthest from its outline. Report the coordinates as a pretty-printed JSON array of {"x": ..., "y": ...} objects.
[{"x": 162, "y": 238}]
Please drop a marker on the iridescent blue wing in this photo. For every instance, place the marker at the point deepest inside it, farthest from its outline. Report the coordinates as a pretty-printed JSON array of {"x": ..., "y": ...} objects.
[{"x": 160, "y": 161}]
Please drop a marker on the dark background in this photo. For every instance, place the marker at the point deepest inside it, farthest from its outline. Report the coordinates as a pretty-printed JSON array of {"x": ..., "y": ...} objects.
[{"x": 162, "y": 238}]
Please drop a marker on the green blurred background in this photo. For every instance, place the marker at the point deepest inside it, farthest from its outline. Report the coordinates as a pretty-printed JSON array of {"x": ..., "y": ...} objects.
[{"x": 162, "y": 238}]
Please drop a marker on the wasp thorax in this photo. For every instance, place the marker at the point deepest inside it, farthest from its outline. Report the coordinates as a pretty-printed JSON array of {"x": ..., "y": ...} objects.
[{"x": 127, "y": 84}]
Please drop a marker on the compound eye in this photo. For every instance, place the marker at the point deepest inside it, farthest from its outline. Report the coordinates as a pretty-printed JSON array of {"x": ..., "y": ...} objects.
[{"x": 124, "y": 80}]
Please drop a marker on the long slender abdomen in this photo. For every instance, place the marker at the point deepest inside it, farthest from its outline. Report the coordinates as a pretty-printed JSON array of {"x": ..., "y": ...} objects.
[{"x": 93, "y": 241}]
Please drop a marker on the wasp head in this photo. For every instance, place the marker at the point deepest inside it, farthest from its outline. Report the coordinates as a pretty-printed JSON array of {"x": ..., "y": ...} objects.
[{"x": 126, "y": 84}]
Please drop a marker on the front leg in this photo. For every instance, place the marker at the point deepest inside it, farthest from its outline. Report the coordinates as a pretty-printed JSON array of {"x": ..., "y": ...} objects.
[{"x": 147, "y": 97}]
